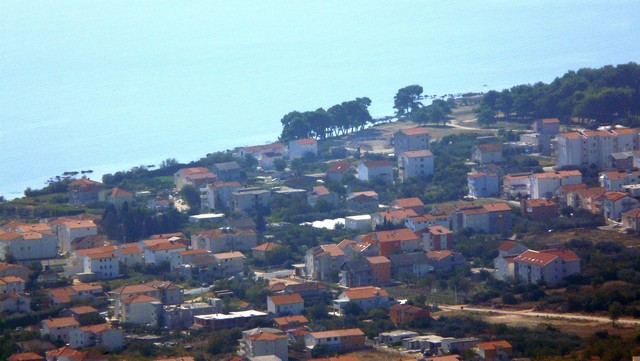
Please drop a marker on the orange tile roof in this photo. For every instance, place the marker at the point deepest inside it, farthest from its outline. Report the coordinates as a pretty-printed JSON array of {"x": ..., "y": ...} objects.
[
  {"x": 138, "y": 298},
  {"x": 550, "y": 120},
  {"x": 266, "y": 247},
  {"x": 408, "y": 202},
  {"x": 339, "y": 167},
  {"x": 403, "y": 234},
  {"x": 565, "y": 254},
  {"x": 260, "y": 148},
  {"x": 338, "y": 333},
  {"x": 61, "y": 322},
  {"x": 193, "y": 251},
  {"x": 398, "y": 214},
  {"x": 80, "y": 310},
  {"x": 120, "y": 193},
  {"x": 7, "y": 236},
  {"x": 166, "y": 246},
  {"x": 129, "y": 249},
  {"x": 225, "y": 255},
  {"x": 438, "y": 230},
  {"x": 594, "y": 133},
  {"x": 496, "y": 207},
  {"x": 573, "y": 187},
  {"x": 332, "y": 249},
  {"x": 507, "y": 245},
  {"x": 418, "y": 153},
  {"x": 622, "y": 131},
  {"x": 614, "y": 196},
  {"x": 86, "y": 223},
  {"x": 321, "y": 190},
  {"x": 572, "y": 135},
  {"x": 358, "y": 293},
  {"x": 491, "y": 345},
  {"x": 267, "y": 336},
  {"x": 415, "y": 131},
  {"x": 287, "y": 320},
  {"x": 95, "y": 250},
  {"x": 220, "y": 233},
  {"x": 99, "y": 328},
  {"x": 133, "y": 289},
  {"x": 439, "y": 255},
  {"x": 378, "y": 260},
  {"x": 26, "y": 356},
  {"x": 377, "y": 163},
  {"x": 490, "y": 147},
  {"x": 539, "y": 203},
  {"x": 286, "y": 299},
  {"x": 306, "y": 141},
  {"x": 365, "y": 193},
  {"x": 535, "y": 258},
  {"x": 194, "y": 170}
]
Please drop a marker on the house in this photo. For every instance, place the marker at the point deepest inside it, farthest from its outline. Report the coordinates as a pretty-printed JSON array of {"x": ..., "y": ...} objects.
[
  {"x": 368, "y": 170},
  {"x": 118, "y": 197},
  {"x": 415, "y": 163},
  {"x": 365, "y": 202},
  {"x": 170, "y": 293},
  {"x": 264, "y": 341},
  {"x": 285, "y": 304},
  {"x": 256, "y": 150},
  {"x": 224, "y": 239},
  {"x": 631, "y": 219},
  {"x": 181, "y": 316},
  {"x": 366, "y": 272},
  {"x": 336, "y": 340},
  {"x": 299, "y": 147},
  {"x": 546, "y": 129},
  {"x": 80, "y": 292},
  {"x": 27, "y": 246},
  {"x": 503, "y": 264},
  {"x": 219, "y": 195},
  {"x": 410, "y": 139},
  {"x": 355, "y": 250},
  {"x": 615, "y": 180},
  {"x": 338, "y": 171},
  {"x": 397, "y": 216},
  {"x": 98, "y": 263},
  {"x": 83, "y": 314},
  {"x": 309, "y": 291},
  {"x": 228, "y": 171},
  {"x": 615, "y": 203},
  {"x": 162, "y": 252},
  {"x": 547, "y": 184},
  {"x": 361, "y": 223},
  {"x": 268, "y": 160},
  {"x": 195, "y": 176},
  {"x": 516, "y": 185},
  {"x": 549, "y": 266},
  {"x": 286, "y": 323},
  {"x": 486, "y": 153},
  {"x": 408, "y": 265},
  {"x": 322, "y": 194},
  {"x": 247, "y": 199},
  {"x": 367, "y": 298},
  {"x": 129, "y": 254},
  {"x": 483, "y": 185},
  {"x": 219, "y": 321},
  {"x": 436, "y": 238},
  {"x": 15, "y": 270},
  {"x": 72, "y": 229},
  {"x": 67, "y": 353},
  {"x": 102, "y": 335},
  {"x": 429, "y": 345},
  {"x": 399, "y": 240},
  {"x": 122, "y": 293},
  {"x": 488, "y": 218},
  {"x": 401, "y": 314},
  {"x": 621, "y": 160},
  {"x": 228, "y": 264},
  {"x": 586, "y": 147},
  {"x": 415, "y": 204},
  {"x": 445, "y": 260},
  {"x": 395, "y": 336},
  {"x": 323, "y": 262},
  {"x": 494, "y": 350},
  {"x": 539, "y": 210},
  {"x": 427, "y": 220},
  {"x": 14, "y": 302},
  {"x": 84, "y": 191},
  {"x": 58, "y": 329},
  {"x": 140, "y": 309},
  {"x": 260, "y": 252},
  {"x": 589, "y": 199},
  {"x": 88, "y": 242}
]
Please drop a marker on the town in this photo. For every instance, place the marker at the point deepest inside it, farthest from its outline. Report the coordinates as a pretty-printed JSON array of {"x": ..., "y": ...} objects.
[{"x": 395, "y": 242}]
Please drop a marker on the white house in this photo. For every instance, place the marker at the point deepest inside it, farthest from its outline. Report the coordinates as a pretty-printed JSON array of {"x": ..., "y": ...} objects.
[
  {"x": 104, "y": 265},
  {"x": 547, "y": 184},
  {"x": 285, "y": 304},
  {"x": 550, "y": 266},
  {"x": 615, "y": 180},
  {"x": 129, "y": 254},
  {"x": 299, "y": 147},
  {"x": 487, "y": 153},
  {"x": 162, "y": 252},
  {"x": 265, "y": 342},
  {"x": 27, "y": 246},
  {"x": 616, "y": 203},
  {"x": 369, "y": 170},
  {"x": 141, "y": 309},
  {"x": 225, "y": 239},
  {"x": 72, "y": 229},
  {"x": 366, "y": 298},
  {"x": 409, "y": 139},
  {"x": 58, "y": 329},
  {"x": 416, "y": 163},
  {"x": 101, "y": 335}
]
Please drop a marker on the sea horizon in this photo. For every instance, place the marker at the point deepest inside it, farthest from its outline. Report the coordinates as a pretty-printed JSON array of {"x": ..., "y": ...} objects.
[{"x": 111, "y": 85}]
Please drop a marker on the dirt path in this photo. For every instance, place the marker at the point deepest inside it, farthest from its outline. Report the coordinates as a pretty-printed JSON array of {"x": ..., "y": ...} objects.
[{"x": 532, "y": 313}]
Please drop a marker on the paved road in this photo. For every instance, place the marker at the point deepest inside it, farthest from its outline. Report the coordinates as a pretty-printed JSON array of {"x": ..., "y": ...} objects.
[{"x": 531, "y": 313}]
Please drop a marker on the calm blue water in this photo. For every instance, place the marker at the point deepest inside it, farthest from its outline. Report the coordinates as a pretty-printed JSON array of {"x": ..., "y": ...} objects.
[{"x": 107, "y": 85}]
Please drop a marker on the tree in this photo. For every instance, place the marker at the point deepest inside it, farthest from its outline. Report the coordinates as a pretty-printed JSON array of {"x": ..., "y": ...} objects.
[
  {"x": 407, "y": 100},
  {"x": 191, "y": 195},
  {"x": 280, "y": 164},
  {"x": 615, "y": 311}
]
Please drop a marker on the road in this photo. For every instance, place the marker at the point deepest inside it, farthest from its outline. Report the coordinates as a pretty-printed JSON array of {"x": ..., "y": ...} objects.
[
  {"x": 456, "y": 124},
  {"x": 197, "y": 291},
  {"x": 531, "y": 313}
]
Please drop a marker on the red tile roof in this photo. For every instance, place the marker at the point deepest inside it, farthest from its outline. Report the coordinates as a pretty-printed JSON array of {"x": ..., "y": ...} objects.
[
  {"x": 403, "y": 234},
  {"x": 408, "y": 202},
  {"x": 61, "y": 322},
  {"x": 496, "y": 207},
  {"x": 539, "y": 203},
  {"x": 572, "y": 135},
  {"x": 535, "y": 258},
  {"x": 377, "y": 163},
  {"x": 378, "y": 260},
  {"x": 418, "y": 153},
  {"x": 306, "y": 141},
  {"x": 118, "y": 192},
  {"x": 288, "y": 320},
  {"x": 614, "y": 196},
  {"x": 338, "y": 333},
  {"x": 358, "y": 293},
  {"x": 166, "y": 246},
  {"x": 492, "y": 345},
  {"x": 439, "y": 255},
  {"x": 490, "y": 148},
  {"x": 507, "y": 245},
  {"x": 550, "y": 120},
  {"x": 266, "y": 247},
  {"x": 339, "y": 167},
  {"x": 286, "y": 299}
]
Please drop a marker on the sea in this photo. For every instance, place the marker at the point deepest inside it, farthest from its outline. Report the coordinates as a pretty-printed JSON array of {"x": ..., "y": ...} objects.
[{"x": 109, "y": 85}]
